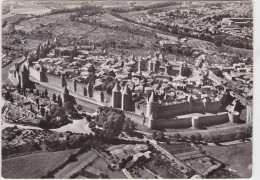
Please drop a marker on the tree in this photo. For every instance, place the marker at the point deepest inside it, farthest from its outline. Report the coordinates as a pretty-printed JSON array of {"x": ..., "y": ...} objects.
[
  {"x": 154, "y": 135},
  {"x": 198, "y": 137},
  {"x": 129, "y": 126},
  {"x": 160, "y": 136},
  {"x": 109, "y": 90},
  {"x": 214, "y": 139},
  {"x": 68, "y": 106},
  {"x": 176, "y": 136},
  {"x": 37, "y": 93},
  {"x": 37, "y": 102},
  {"x": 59, "y": 101},
  {"x": 54, "y": 97},
  {"x": 46, "y": 93},
  {"x": 192, "y": 138},
  {"x": 42, "y": 111},
  {"x": 7, "y": 95},
  {"x": 47, "y": 117}
]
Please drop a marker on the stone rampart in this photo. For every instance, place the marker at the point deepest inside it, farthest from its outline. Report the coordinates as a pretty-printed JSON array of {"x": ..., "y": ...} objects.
[
  {"x": 50, "y": 90},
  {"x": 169, "y": 111},
  {"x": 53, "y": 79},
  {"x": 70, "y": 84},
  {"x": 138, "y": 119},
  {"x": 213, "y": 106},
  {"x": 197, "y": 107},
  {"x": 213, "y": 119},
  {"x": 186, "y": 122},
  {"x": 173, "y": 123},
  {"x": 80, "y": 88}
]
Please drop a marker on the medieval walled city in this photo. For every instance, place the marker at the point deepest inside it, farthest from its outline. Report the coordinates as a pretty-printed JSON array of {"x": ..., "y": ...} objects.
[{"x": 139, "y": 89}]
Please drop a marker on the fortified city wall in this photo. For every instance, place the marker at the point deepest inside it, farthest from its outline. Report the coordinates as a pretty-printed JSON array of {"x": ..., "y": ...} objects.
[
  {"x": 208, "y": 120},
  {"x": 165, "y": 114}
]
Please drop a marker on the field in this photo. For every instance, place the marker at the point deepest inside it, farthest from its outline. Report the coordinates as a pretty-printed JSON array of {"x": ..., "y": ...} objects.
[
  {"x": 195, "y": 43},
  {"x": 192, "y": 157},
  {"x": 239, "y": 157},
  {"x": 177, "y": 148},
  {"x": 60, "y": 25},
  {"x": 34, "y": 165}
]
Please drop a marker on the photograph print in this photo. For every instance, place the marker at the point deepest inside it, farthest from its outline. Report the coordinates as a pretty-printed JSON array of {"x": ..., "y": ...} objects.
[{"x": 127, "y": 89}]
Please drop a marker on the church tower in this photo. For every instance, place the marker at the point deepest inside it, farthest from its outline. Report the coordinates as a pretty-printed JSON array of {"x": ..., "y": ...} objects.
[{"x": 116, "y": 96}]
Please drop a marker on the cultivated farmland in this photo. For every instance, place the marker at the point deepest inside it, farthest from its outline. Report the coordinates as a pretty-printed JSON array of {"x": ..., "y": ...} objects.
[
  {"x": 35, "y": 165},
  {"x": 239, "y": 157}
]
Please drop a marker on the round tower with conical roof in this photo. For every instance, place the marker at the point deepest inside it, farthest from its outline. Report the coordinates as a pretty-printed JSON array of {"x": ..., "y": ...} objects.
[
  {"x": 152, "y": 107},
  {"x": 126, "y": 99},
  {"x": 24, "y": 77},
  {"x": 116, "y": 96}
]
